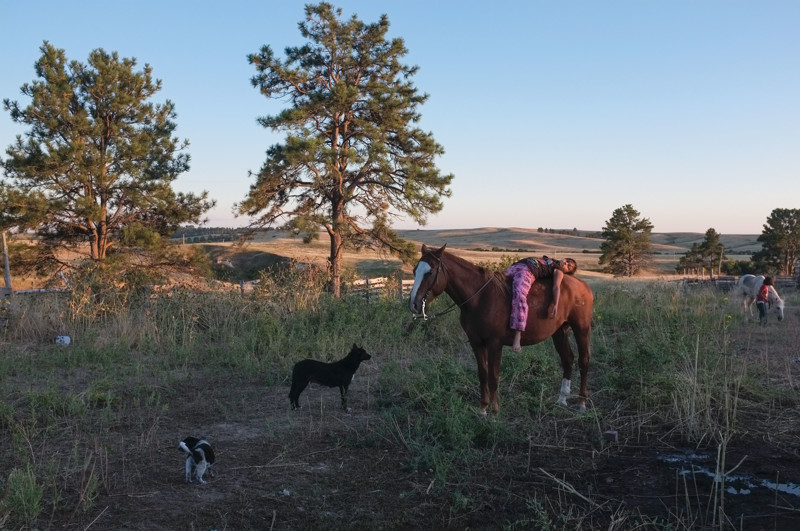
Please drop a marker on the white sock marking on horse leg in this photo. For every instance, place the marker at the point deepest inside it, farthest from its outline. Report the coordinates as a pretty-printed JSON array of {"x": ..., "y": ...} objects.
[{"x": 566, "y": 390}]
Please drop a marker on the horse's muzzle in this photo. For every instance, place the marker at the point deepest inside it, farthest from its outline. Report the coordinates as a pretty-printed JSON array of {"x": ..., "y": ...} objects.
[{"x": 417, "y": 312}]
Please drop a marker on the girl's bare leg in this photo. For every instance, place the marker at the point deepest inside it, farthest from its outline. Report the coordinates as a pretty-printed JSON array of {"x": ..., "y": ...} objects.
[{"x": 516, "y": 347}]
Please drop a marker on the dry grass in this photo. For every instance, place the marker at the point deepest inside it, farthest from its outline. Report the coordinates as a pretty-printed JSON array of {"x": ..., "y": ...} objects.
[{"x": 478, "y": 245}]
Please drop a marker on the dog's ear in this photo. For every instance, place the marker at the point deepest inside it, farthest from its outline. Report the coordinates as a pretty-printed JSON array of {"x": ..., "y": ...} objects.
[{"x": 355, "y": 346}]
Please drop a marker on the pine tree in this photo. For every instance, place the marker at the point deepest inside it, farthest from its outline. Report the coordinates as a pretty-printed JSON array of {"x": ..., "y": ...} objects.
[
  {"x": 692, "y": 261},
  {"x": 627, "y": 249},
  {"x": 712, "y": 251},
  {"x": 780, "y": 242},
  {"x": 98, "y": 158},
  {"x": 352, "y": 158}
]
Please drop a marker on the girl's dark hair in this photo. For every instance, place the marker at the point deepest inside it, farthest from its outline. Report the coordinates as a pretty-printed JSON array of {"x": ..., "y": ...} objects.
[
  {"x": 574, "y": 265},
  {"x": 768, "y": 281}
]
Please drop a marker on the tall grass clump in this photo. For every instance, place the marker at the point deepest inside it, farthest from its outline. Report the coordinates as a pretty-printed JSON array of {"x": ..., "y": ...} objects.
[
  {"x": 439, "y": 422},
  {"x": 21, "y": 501},
  {"x": 666, "y": 352}
]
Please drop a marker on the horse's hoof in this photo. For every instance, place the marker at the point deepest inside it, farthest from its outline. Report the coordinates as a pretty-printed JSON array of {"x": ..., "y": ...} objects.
[{"x": 582, "y": 408}]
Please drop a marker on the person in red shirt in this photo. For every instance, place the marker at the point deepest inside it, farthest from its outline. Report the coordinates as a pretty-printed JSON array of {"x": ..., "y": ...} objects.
[{"x": 762, "y": 299}]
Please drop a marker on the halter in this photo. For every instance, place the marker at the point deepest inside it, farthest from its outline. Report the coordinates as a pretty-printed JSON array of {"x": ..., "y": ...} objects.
[{"x": 453, "y": 306}]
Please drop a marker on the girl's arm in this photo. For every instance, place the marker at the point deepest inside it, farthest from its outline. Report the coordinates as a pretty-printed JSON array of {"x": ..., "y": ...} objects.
[{"x": 558, "y": 276}]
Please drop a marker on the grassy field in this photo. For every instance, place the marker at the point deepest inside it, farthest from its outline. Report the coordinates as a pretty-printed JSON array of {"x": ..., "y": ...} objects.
[
  {"x": 684, "y": 389},
  {"x": 477, "y": 245},
  {"x": 235, "y": 263},
  {"x": 692, "y": 421}
]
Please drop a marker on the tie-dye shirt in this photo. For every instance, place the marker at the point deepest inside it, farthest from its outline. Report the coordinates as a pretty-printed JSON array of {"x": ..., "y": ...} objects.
[{"x": 540, "y": 267}]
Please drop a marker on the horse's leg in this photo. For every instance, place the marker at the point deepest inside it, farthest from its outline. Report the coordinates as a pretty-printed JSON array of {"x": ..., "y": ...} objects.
[
  {"x": 495, "y": 356},
  {"x": 482, "y": 358},
  {"x": 561, "y": 342},
  {"x": 583, "y": 339}
]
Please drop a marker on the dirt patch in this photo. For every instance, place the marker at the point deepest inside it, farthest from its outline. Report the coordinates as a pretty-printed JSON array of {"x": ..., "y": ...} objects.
[
  {"x": 323, "y": 468},
  {"x": 320, "y": 467},
  {"x": 322, "y": 478}
]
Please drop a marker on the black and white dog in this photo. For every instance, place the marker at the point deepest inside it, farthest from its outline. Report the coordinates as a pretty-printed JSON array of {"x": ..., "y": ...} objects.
[
  {"x": 199, "y": 458},
  {"x": 337, "y": 374}
]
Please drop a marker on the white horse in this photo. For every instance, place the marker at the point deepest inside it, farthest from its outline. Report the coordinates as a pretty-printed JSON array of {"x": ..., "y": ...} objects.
[{"x": 749, "y": 286}]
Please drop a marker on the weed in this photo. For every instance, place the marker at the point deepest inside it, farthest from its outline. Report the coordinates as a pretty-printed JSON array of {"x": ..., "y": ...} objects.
[{"x": 22, "y": 500}]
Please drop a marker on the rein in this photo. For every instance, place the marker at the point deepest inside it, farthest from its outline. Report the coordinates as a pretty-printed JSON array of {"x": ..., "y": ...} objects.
[{"x": 453, "y": 306}]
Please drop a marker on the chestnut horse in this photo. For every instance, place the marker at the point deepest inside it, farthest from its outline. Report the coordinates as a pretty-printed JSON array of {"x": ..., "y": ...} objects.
[{"x": 484, "y": 298}]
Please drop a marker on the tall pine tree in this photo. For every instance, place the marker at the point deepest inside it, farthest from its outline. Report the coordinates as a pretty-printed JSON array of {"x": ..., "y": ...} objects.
[
  {"x": 352, "y": 158},
  {"x": 626, "y": 250},
  {"x": 713, "y": 251},
  {"x": 98, "y": 158},
  {"x": 780, "y": 242}
]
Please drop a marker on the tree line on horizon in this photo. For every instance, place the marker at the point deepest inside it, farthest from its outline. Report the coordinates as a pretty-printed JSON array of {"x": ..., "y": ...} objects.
[
  {"x": 627, "y": 249},
  {"x": 99, "y": 158}
]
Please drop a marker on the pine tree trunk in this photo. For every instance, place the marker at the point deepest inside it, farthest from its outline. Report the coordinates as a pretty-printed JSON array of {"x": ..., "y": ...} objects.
[
  {"x": 94, "y": 246},
  {"x": 335, "y": 263},
  {"x": 99, "y": 242}
]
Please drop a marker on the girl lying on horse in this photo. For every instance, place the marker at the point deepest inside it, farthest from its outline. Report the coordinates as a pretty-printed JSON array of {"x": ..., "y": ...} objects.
[{"x": 523, "y": 274}]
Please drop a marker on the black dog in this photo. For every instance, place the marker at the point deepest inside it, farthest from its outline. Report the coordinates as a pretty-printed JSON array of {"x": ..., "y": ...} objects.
[
  {"x": 199, "y": 458},
  {"x": 337, "y": 374}
]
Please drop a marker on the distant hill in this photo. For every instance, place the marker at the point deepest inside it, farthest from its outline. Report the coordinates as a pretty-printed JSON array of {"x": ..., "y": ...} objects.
[
  {"x": 479, "y": 245},
  {"x": 490, "y": 238}
]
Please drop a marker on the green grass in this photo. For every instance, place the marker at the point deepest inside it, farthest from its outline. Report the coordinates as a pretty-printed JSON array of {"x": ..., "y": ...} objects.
[{"x": 662, "y": 360}]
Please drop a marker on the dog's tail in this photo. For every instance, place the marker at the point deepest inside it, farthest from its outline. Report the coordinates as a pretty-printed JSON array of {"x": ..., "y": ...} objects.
[{"x": 185, "y": 448}]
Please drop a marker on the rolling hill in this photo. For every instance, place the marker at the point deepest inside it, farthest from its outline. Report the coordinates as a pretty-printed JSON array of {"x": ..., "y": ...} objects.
[{"x": 487, "y": 244}]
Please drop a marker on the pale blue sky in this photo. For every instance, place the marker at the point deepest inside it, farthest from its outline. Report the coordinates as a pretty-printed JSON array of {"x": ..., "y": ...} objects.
[{"x": 551, "y": 113}]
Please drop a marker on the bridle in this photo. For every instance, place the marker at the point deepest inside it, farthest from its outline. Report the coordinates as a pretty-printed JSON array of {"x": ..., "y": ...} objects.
[{"x": 440, "y": 266}]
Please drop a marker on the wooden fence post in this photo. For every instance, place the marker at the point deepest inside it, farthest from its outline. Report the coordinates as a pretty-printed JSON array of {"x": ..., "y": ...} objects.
[
  {"x": 6, "y": 268},
  {"x": 5, "y": 293}
]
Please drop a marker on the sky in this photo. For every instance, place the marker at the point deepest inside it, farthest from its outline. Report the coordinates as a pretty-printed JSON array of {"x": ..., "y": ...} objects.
[{"x": 551, "y": 113}]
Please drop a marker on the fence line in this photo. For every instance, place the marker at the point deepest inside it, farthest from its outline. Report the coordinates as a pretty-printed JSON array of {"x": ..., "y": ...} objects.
[
  {"x": 728, "y": 282},
  {"x": 378, "y": 283}
]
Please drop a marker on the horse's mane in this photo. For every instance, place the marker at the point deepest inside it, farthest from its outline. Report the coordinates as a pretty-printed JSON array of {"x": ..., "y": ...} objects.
[
  {"x": 498, "y": 278},
  {"x": 773, "y": 294}
]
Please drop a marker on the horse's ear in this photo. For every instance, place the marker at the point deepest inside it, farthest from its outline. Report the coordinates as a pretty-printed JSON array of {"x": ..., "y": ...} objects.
[{"x": 437, "y": 252}]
